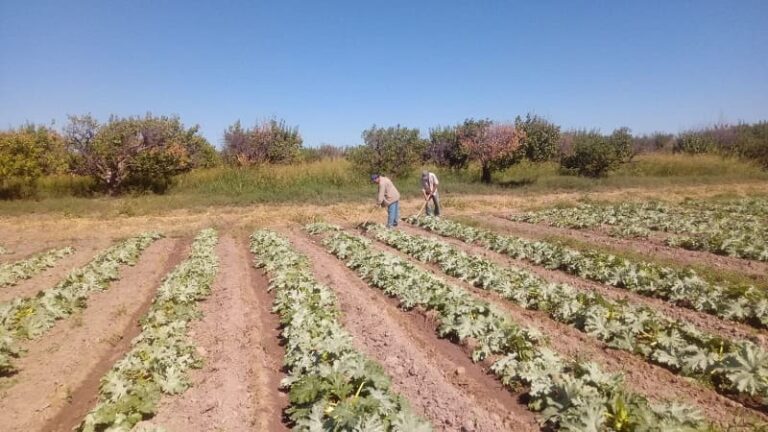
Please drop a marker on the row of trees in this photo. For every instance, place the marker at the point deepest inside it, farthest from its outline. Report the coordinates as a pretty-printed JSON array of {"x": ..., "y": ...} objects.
[
  {"x": 493, "y": 146},
  {"x": 144, "y": 153}
]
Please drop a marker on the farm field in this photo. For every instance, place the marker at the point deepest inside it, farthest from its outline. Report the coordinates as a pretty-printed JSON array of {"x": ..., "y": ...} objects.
[{"x": 624, "y": 310}]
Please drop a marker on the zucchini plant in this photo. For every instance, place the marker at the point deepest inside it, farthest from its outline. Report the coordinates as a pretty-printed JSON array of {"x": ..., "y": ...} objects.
[
  {"x": 12, "y": 273},
  {"x": 162, "y": 353},
  {"x": 570, "y": 395},
  {"x": 331, "y": 385}
]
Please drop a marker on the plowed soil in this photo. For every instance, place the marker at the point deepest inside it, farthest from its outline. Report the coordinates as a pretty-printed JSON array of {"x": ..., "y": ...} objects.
[
  {"x": 642, "y": 377},
  {"x": 59, "y": 377},
  {"x": 436, "y": 376},
  {"x": 237, "y": 388},
  {"x": 652, "y": 247}
]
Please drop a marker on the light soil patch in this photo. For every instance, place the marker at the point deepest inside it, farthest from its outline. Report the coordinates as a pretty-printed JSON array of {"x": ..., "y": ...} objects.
[
  {"x": 703, "y": 321},
  {"x": 654, "y": 382},
  {"x": 59, "y": 377},
  {"x": 48, "y": 278},
  {"x": 237, "y": 388},
  {"x": 436, "y": 376},
  {"x": 651, "y": 247}
]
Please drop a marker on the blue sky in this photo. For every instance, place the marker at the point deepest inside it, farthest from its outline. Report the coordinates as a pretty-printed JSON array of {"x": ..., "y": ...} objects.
[{"x": 335, "y": 67}]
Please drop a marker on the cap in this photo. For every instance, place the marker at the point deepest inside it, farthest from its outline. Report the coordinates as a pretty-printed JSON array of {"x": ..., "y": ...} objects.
[
  {"x": 374, "y": 177},
  {"x": 425, "y": 173}
]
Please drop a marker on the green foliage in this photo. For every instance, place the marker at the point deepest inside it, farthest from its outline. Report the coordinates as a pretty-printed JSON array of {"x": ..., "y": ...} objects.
[
  {"x": 592, "y": 154},
  {"x": 26, "y": 154},
  {"x": 540, "y": 142},
  {"x": 271, "y": 141},
  {"x": 135, "y": 153},
  {"x": 752, "y": 142},
  {"x": 694, "y": 143},
  {"x": 444, "y": 148},
  {"x": 621, "y": 141},
  {"x": 393, "y": 151},
  {"x": 12, "y": 273}
]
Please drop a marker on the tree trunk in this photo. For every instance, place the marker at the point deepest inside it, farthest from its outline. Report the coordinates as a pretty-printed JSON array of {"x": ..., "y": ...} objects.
[{"x": 486, "y": 176}]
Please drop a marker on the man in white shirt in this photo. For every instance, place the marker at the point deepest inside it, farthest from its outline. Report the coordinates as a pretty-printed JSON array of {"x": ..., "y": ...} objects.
[{"x": 429, "y": 184}]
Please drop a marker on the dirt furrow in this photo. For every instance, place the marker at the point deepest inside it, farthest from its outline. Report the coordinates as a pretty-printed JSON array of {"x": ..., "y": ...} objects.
[
  {"x": 237, "y": 388},
  {"x": 642, "y": 377},
  {"x": 703, "y": 321},
  {"x": 84, "y": 252},
  {"x": 59, "y": 375},
  {"x": 435, "y": 375},
  {"x": 651, "y": 247}
]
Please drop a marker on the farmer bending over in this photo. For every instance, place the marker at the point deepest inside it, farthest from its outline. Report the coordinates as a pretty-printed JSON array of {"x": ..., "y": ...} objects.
[
  {"x": 388, "y": 196},
  {"x": 429, "y": 189}
]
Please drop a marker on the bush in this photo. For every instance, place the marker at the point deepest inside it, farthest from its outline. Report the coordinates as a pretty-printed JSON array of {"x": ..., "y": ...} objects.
[
  {"x": 591, "y": 154},
  {"x": 694, "y": 143},
  {"x": 394, "y": 151},
  {"x": 325, "y": 151},
  {"x": 270, "y": 141},
  {"x": 621, "y": 140},
  {"x": 541, "y": 137},
  {"x": 444, "y": 148},
  {"x": 134, "y": 153}
]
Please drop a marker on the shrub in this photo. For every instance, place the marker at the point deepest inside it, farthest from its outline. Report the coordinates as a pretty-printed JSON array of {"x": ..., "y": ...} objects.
[
  {"x": 270, "y": 141},
  {"x": 325, "y": 151},
  {"x": 694, "y": 143},
  {"x": 394, "y": 151},
  {"x": 444, "y": 148},
  {"x": 134, "y": 153},
  {"x": 752, "y": 142},
  {"x": 493, "y": 146},
  {"x": 540, "y": 137},
  {"x": 591, "y": 154}
]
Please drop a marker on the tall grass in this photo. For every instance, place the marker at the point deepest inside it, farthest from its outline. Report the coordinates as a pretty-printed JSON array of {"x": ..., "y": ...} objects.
[{"x": 334, "y": 180}]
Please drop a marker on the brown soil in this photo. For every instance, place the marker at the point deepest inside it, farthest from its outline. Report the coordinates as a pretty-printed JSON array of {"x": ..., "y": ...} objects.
[
  {"x": 652, "y": 247},
  {"x": 84, "y": 252},
  {"x": 436, "y": 376},
  {"x": 59, "y": 377},
  {"x": 642, "y": 377},
  {"x": 237, "y": 388},
  {"x": 703, "y": 321}
]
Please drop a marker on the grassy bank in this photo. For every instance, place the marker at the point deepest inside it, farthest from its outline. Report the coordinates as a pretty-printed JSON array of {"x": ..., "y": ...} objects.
[{"x": 334, "y": 181}]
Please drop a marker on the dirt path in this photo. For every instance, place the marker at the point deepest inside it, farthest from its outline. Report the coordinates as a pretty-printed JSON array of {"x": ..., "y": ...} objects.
[
  {"x": 651, "y": 247},
  {"x": 84, "y": 252},
  {"x": 237, "y": 388},
  {"x": 642, "y": 377},
  {"x": 436, "y": 376},
  {"x": 59, "y": 377},
  {"x": 704, "y": 321}
]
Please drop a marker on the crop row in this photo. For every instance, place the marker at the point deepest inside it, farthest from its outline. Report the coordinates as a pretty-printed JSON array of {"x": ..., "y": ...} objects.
[
  {"x": 734, "y": 368},
  {"x": 162, "y": 354},
  {"x": 12, "y": 273},
  {"x": 570, "y": 395},
  {"x": 332, "y": 386},
  {"x": 680, "y": 287},
  {"x": 718, "y": 230},
  {"x": 30, "y": 317}
]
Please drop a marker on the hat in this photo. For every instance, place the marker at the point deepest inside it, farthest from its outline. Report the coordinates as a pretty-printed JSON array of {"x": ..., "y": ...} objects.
[
  {"x": 425, "y": 173},
  {"x": 374, "y": 177}
]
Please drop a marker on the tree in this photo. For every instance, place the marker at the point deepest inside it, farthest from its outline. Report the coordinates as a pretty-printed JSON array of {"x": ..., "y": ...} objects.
[
  {"x": 541, "y": 137},
  {"x": 444, "y": 148},
  {"x": 141, "y": 153},
  {"x": 27, "y": 153},
  {"x": 270, "y": 141},
  {"x": 493, "y": 146},
  {"x": 621, "y": 140},
  {"x": 395, "y": 151},
  {"x": 590, "y": 154}
]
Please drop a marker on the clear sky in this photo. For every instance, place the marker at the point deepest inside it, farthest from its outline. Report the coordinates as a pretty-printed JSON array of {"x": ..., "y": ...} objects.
[{"x": 336, "y": 67}]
